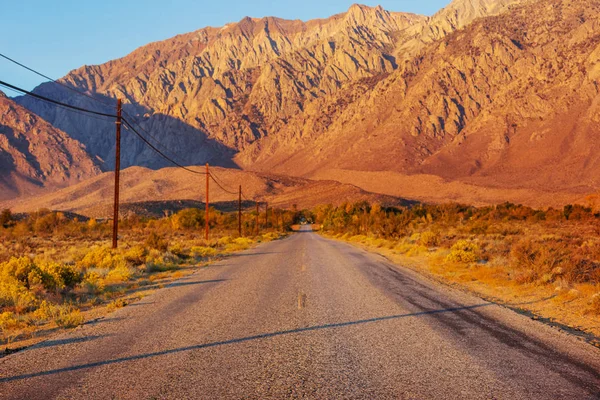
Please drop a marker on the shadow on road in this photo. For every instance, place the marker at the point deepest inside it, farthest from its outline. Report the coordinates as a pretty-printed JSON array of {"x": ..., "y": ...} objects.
[
  {"x": 254, "y": 254},
  {"x": 61, "y": 342},
  {"x": 235, "y": 341},
  {"x": 186, "y": 283}
]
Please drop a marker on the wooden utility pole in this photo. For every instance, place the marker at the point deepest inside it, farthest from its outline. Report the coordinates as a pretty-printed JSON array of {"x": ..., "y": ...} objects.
[
  {"x": 117, "y": 173},
  {"x": 267, "y": 215},
  {"x": 240, "y": 212},
  {"x": 257, "y": 213},
  {"x": 206, "y": 212}
]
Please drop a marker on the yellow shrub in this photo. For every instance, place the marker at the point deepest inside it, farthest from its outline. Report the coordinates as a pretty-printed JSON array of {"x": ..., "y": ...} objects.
[
  {"x": 238, "y": 244},
  {"x": 57, "y": 276},
  {"x": 121, "y": 273},
  {"x": 93, "y": 282},
  {"x": 13, "y": 294},
  {"x": 135, "y": 255},
  {"x": 225, "y": 240},
  {"x": 8, "y": 321},
  {"x": 203, "y": 252},
  {"x": 429, "y": 239},
  {"x": 45, "y": 311},
  {"x": 267, "y": 237},
  {"x": 101, "y": 257},
  {"x": 68, "y": 317},
  {"x": 463, "y": 251}
]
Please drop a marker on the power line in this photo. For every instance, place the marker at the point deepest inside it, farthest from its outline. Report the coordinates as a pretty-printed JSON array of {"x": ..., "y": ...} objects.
[
  {"x": 156, "y": 141},
  {"x": 103, "y": 119},
  {"x": 54, "y": 80},
  {"x": 131, "y": 128},
  {"x": 134, "y": 122},
  {"x": 219, "y": 185},
  {"x": 37, "y": 96},
  {"x": 221, "y": 181}
]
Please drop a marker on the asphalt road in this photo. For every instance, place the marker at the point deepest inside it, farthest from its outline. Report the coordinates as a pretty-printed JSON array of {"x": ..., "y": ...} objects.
[{"x": 306, "y": 317}]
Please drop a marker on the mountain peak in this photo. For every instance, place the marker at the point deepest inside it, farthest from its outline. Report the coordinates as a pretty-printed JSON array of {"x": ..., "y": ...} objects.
[{"x": 2, "y": 95}]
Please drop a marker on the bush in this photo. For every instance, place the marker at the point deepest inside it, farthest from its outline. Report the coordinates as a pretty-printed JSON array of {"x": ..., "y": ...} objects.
[
  {"x": 203, "y": 252},
  {"x": 429, "y": 239},
  {"x": 8, "y": 321},
  {"x": 101, "y": 258},
  {"x": 57, "y": 276},
  {"x": 157, "y": 242},
  {"x": 121, "y": 273},
  {"x": 6, "y": 218},
  {"x": 534, "y": 260},
  {"x": 68, "y": 316},
  {"x": 463, "y": 251},
  {"x": 135, "y": 255}
]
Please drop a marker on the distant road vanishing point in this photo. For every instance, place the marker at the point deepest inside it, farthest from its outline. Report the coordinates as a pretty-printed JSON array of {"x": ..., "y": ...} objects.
[{"x": 306, "y": 317}]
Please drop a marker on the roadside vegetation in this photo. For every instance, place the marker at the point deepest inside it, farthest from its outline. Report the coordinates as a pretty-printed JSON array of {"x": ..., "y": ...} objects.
[
  {"x": 58, "y": 270},
  {"x": 546, "y": 261}
]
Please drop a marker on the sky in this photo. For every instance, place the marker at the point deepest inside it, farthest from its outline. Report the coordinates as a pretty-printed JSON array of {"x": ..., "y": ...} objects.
[{"x": 57, "y": 36}]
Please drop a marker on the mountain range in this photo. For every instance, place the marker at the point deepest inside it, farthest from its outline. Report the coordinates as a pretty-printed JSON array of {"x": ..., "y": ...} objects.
[{"x": 485, "y": 101}]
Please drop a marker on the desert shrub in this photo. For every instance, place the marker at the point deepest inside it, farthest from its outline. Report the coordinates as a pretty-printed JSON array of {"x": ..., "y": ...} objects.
[
  {"x": 157, "y": 242},
  {"x": 101, "y": 258},
  {"x": 191, "y": 218},
  {"x": 8, "y": 321},
  {"x": 116, "y": 304},
  {"x": 157, "y": 261},
  {"x": 203, "y": 252},
  {"x": 238, "y": 244},
  {"x": 136, "y": 255},
  {"x": 6, "y": 218},
  {"x": 56, "y": 276},
  {"x": 121, "y": 273},
  {"x": 93, "y": 283},
  {"x": 429, "y": 239},
  {"x": 532, "y": 260},
  {"x": 179, "y": 250},
  {"x": 45, "y": 311},
  {"x": 224, "y": 241},
  {"x": 18, "y": 269},
  {"x": 68, "y": 316},
  {"x": 267, "y": 237},
  {"x": 463, "y": 251}
]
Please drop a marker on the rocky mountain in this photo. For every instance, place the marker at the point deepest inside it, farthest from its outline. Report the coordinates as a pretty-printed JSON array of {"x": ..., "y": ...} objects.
[
  {"x": 497, "y": 94},
  {"x": 511, "y": 101},
  {"x": 34, "y": 154}
]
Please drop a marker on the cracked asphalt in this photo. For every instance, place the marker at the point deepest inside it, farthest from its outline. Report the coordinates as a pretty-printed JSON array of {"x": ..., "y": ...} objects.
[{"x": 306, "y": 317}]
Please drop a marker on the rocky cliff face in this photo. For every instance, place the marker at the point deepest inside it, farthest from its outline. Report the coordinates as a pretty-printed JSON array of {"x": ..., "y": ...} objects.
[
  {"x": 509, "y": 101},
  {"x": 213, "y": 92},
  {"x": 34, "y": 154},
  {"x": 493, "y": 92}
]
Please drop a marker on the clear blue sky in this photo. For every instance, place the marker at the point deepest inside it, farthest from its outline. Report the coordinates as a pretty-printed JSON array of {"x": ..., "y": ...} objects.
[{"x": 56, "y": 36}]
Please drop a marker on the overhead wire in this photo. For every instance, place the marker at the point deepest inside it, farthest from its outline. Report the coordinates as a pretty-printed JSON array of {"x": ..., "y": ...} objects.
[
  {"x": 132, "y": 129},
  {"x": 133, "y": 120},
  {"x": 37, "y": 96},
  {"x": 55, "y": 81}
]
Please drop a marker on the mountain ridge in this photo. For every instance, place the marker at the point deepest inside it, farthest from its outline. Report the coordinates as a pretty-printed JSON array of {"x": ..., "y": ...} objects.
[{"x": 472, "y": 94}]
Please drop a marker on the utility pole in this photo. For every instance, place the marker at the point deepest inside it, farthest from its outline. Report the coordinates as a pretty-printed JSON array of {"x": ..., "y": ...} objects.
[
  {"x": 257, "y": 213},
  {"x": 117, "y": 173},
  {"x": 267, "y": 215},
  {"x": 240, "y": 212},
  {"x": 206, "y": 213}
]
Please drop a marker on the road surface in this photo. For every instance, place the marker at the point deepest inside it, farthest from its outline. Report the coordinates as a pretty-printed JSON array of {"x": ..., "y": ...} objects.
[{"x": 306, "y": 317}]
